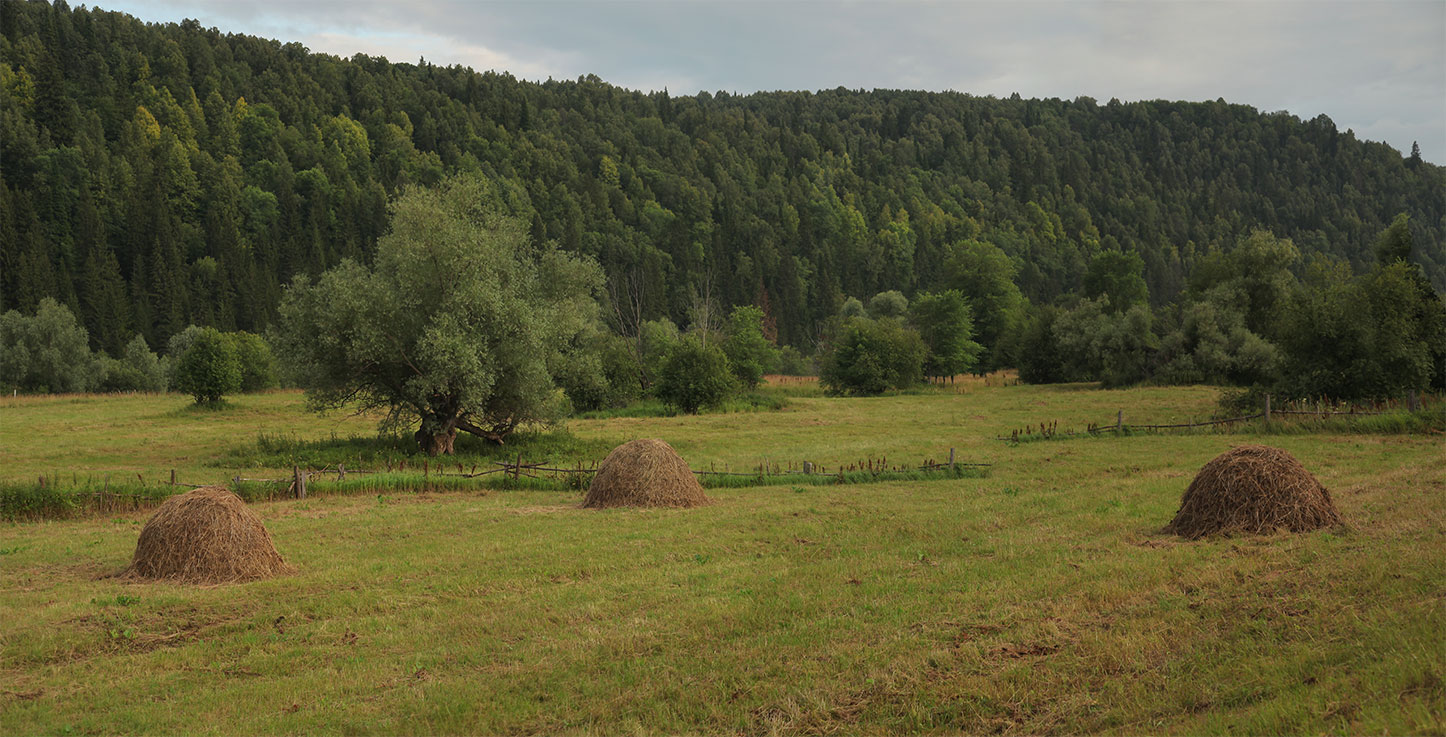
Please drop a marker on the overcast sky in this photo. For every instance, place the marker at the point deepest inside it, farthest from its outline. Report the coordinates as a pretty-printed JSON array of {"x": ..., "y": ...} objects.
[{"x": 1376, "y": 67}]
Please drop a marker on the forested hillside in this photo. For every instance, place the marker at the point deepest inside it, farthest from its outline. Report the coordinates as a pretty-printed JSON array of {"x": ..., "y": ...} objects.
[{"x": 155, "y": 176}]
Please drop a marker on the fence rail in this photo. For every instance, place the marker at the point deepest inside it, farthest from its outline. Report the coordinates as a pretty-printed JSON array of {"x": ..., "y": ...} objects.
[{"x": 518, "y": 468}]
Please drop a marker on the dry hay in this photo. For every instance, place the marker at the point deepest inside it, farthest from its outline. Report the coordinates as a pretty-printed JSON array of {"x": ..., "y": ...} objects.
[
  {"x": 1253, "y": 488},
  {"x": 644, "y": 473},
  {"x": 205, "y": 536}
]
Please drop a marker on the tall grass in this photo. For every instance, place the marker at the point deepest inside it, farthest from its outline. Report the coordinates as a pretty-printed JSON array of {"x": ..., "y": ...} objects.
[
  {"x": 1421, "y": 422},
  {"x": 768, "y": 400},
  {"x": 56, "y": 500}
]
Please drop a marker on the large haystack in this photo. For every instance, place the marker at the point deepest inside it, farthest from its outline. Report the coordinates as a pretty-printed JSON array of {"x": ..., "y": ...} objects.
[
  {"x": 1253, "y": 488},
  {"x": 644, "y": 473},
  {"x": 206, "y": 536}
]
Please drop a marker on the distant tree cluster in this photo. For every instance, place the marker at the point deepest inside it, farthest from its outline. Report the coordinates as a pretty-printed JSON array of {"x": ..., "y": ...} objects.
[
  {"x": 896, "y": 345},
  {"x": 1247, "y": 319},
  {"x": 49, "y": 352}
]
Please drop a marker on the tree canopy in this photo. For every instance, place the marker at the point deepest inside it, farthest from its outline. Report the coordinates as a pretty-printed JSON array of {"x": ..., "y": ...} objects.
[{"x": 457, "y": 326}]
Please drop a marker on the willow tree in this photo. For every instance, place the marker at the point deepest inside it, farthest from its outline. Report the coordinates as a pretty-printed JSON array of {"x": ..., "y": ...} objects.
[{"x": 455, "y": 325}]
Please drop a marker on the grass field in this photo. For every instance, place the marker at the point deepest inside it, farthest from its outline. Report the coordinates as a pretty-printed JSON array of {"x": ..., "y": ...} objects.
[{"x": 1041, "y": 599}]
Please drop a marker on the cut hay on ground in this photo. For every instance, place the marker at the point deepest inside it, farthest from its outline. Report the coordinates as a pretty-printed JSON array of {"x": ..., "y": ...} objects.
[
  {"x": 644, "y": 473},
  {"x": 1253, "y": 488},
  {"x": 206, "y": 536}
]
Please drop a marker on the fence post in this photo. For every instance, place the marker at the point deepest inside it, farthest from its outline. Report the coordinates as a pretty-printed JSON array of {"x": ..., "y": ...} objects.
[
  {"x": 517, "y": 469},
  {"x": 1411, "y": 405},
  {"x": 951, "y": 458},
  {"x": 173, "y": 477},
  {"x": 1119, "y": 420},
  {"x": 341, "y": 472},
  {"x": 1267, "y": 408},
  {"x": 808, "y": 467}
]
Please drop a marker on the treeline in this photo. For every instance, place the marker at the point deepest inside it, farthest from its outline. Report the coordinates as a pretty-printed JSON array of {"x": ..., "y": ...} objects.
[
  {"x": 158, "y": 176},
  {"x": 49, "y": 352},
  {"x": 1246, "y": 319}
]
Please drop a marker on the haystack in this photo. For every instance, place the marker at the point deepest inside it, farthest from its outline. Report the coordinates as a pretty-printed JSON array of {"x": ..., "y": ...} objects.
[
  {"x": 206, "y": 535},
  {"x": 1253, "y": 488},
  {"x": 644, "y": 473}
]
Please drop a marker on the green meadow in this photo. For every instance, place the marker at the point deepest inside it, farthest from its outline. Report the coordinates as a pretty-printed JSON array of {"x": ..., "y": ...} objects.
[{"x": 1039, "y": 597}]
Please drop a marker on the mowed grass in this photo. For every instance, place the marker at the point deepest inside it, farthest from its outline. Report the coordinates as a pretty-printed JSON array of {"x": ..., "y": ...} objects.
[{"x": 1041, "y": 599}]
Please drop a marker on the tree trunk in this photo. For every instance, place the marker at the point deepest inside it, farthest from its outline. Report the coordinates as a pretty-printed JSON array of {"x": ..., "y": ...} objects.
[
  {"x": 435, "y": 443},
  {"x": 437, "y": 435}
]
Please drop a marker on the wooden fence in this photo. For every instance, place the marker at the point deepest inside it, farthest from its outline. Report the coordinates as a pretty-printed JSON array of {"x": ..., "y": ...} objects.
[{"x": 516, "y": 469}]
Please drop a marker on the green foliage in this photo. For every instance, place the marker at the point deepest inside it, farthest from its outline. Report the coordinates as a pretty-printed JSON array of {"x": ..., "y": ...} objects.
[
  {"x": 985, "y": 275},
  {"x": 601, "y": 372},
  {"x": 943, "y": 321},
  {"x": 1257, "y": 272},
  {"x": 137, "y": 370},
  {"x": 852, "y": 307},
  {"x": 1395, "y": 242},
  {"x": 889, "y": 304},
  {"x": 695, "y": 375},
  {"x": 46, "y": 352},
  {"x": 1096, "y": 342},
  {"x": 1213, "y": 346},
  {"x": 792, "y": 362},
  {"x": 1040, "y": 359},
  {"x": 258, "y": 365},
  {"x": 209, "y": 369},
  {"x": 656, "y": 341},
  {"x": 750, "y": 353},
  {"x": 456, "y": 324},
  {"x": 1369, "y": 338},
  {"x": 871, "y": 356},
  {"x": 1118, "y": 278}
]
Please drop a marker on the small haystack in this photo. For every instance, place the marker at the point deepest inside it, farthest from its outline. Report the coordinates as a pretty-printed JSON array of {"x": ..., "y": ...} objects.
[
  {"x": 206, "y": 536},
  {"x": 644, "y": 473},
  {"x": 1253, "y": 488}
]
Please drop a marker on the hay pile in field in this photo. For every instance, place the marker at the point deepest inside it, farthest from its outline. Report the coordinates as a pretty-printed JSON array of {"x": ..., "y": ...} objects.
[
  {"x": 206, "y": 536},
  {"x": 644, "y": 473},
  {"x": 1253, "y": 488}
]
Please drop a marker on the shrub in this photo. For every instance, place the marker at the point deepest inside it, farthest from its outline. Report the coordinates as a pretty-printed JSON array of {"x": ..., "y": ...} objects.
[
  {"x": 871, "y": 356},
  {"x": 892, "y": 303},
  {"x": 603, "y": 374},
  {"x": 749, "y": 352},
  {"x": 258, "y": 365},
  {"x": 1040, "y": 359},
  {"x": 792, "y": 362},
  {"x": 46, "y": 352},
  {"x": 209, "y": 367},
  {"x": 656, "y": 341},
  {"x": 137, "y": 370},
  {"x": 944, "y": 322},
  {"x": 696, "y": 375}
]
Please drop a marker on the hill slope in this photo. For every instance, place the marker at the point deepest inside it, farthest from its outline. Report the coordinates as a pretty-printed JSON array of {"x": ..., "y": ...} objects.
[{"x": 159, "y": 175}]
